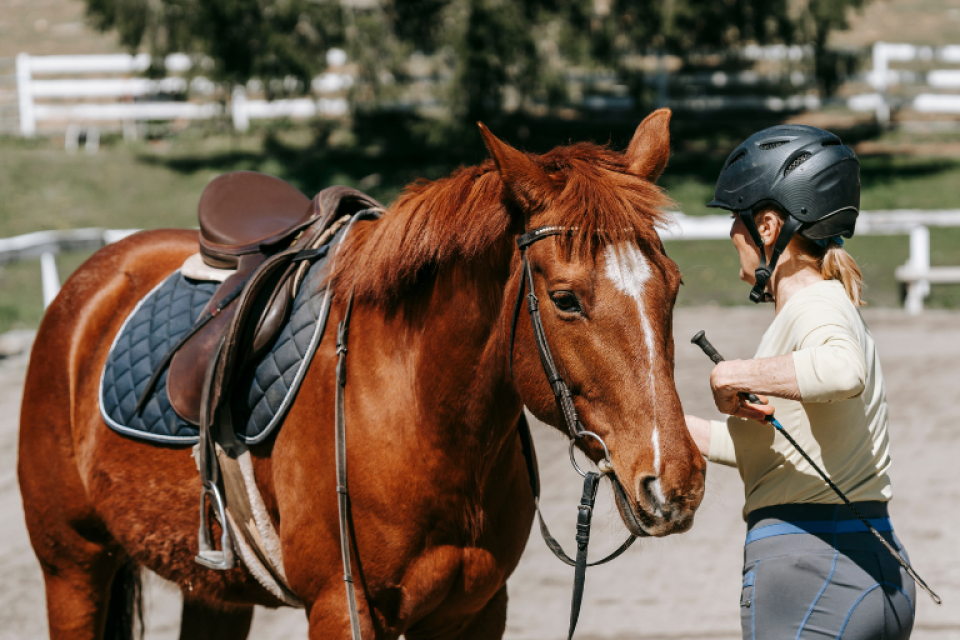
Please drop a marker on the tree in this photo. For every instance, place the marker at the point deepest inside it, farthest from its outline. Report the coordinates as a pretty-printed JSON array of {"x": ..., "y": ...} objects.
[
  {"x": 244, "y": 38},
  {"x": 818, "y": 19},
  {"x": 501, "y": 50}
]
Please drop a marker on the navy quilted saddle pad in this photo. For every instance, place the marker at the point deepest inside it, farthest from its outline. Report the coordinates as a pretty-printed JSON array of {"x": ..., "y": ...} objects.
[{"x": 161, "y": 318}]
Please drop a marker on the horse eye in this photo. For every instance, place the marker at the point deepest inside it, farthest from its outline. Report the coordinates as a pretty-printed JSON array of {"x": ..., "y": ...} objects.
[{"x": 565, "y": 301}]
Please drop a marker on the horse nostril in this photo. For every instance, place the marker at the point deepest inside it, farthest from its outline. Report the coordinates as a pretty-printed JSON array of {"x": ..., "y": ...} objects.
[{"x": 650, "y": 492}]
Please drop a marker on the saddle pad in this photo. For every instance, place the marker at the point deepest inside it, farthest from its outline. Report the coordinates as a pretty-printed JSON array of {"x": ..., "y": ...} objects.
[
  {"x": 151, "y": 329},
  {"x": 265, "y": 392}
]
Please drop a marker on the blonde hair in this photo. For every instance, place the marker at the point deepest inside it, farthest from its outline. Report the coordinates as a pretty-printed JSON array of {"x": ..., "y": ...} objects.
[
  {"x": 833, "y": 262},
  {"x": 837, "y": 264}
]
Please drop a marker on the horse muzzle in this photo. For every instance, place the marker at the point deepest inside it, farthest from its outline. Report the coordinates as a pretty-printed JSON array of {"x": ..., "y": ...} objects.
[{"x": 649, "y": 514}]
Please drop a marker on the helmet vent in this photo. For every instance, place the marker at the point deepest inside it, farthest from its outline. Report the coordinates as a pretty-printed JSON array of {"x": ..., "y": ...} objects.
[
  {"x": 766, "y": 146},
  {"x": 799, "y": 160},
  {"x": 831, "y": 143},
  {"x": 740, "y": 156}
]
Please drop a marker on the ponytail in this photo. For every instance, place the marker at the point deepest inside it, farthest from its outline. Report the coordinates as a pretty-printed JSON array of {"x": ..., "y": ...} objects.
[
  {"x": 837, "y": 264},
  {"x": 833, "y": 262}
]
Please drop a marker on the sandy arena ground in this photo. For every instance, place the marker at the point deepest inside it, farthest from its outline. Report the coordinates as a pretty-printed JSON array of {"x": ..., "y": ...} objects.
[{"x": 684, "y": 586}]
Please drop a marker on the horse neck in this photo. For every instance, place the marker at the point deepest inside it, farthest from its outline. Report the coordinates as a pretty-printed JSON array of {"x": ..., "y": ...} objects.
[{"x": 464, "y": 384}]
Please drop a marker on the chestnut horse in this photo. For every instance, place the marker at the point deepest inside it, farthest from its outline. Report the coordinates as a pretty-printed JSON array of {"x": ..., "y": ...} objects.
[{"x": 440, "y": 498}]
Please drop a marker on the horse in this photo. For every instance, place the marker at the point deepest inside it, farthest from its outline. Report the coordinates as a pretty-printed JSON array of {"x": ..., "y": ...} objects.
[{"x": 441, "y": 502}]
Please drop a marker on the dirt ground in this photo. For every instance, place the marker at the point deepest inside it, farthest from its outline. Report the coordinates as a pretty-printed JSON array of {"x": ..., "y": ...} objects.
[{"x": 685, "y": 586}]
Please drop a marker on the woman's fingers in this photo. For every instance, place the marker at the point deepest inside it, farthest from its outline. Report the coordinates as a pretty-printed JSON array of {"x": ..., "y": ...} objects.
[{"x": 753, "y": 411}]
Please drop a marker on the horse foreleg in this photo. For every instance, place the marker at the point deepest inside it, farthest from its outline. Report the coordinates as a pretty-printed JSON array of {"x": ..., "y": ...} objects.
[
  {"x": 329, "y": 616},
  {"x": 203, "y": 620}
]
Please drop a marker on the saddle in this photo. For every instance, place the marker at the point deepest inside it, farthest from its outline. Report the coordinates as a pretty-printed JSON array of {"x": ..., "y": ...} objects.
[{"x": 253, "y": 224}]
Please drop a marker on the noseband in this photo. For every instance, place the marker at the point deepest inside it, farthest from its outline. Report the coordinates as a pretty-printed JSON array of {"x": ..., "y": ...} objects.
[{"x": 564, "y": 398}]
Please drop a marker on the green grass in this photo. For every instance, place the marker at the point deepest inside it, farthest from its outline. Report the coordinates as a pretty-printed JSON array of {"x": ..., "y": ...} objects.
[
  {"x": 157, "y": 184},
  {"x": 21, "y": 297}
]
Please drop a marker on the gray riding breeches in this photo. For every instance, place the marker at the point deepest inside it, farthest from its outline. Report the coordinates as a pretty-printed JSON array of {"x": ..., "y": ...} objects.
[{"x": 814, "y": 571}]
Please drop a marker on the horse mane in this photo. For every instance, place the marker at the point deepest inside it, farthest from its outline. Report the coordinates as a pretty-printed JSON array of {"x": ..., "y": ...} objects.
[{"x": 465, "y": 216}]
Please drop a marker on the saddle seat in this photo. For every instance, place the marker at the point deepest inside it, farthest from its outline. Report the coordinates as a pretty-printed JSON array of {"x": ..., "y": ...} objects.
[
  {"x": 242, "y": 211},
  {"x": 251, "y": 223}
]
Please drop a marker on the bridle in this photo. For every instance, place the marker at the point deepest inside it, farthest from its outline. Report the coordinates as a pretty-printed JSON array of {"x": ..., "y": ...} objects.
[{"x": 564, "y": 399}]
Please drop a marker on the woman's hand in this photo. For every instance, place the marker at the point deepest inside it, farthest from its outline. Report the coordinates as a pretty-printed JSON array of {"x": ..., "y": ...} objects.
[{"x": 729, "y": 391}]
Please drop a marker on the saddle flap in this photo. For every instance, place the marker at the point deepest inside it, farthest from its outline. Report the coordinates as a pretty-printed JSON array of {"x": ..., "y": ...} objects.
[{"x": 187, "y": 368}]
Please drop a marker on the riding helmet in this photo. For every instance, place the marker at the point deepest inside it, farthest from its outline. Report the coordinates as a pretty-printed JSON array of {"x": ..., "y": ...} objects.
[{"x": 805, "y": 172}]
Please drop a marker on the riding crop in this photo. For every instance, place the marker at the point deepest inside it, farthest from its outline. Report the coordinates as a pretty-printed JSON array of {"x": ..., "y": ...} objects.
[{"x": 701, "y": 341}]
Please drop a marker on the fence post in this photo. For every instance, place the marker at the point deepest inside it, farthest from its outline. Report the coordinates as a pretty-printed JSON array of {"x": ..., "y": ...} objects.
[
  {"x": 919, "y": 262},
  {"x": 881, "y": 66},
  {"x": 28, "y": 119},
  {"x": 49, "y": 277},
  {"x": 238, "y": 108}
]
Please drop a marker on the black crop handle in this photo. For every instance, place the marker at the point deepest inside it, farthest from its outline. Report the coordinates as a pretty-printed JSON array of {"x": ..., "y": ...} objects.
[{"x": 701, "y": 341}]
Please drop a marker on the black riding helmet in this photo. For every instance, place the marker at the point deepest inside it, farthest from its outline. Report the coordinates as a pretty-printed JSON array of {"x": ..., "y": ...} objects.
[{"x": 807, "y": 173}]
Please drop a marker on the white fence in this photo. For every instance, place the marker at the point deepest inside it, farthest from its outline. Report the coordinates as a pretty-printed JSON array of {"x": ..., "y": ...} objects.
[
  {"x": 46, "y": 244},
  {"x": 882, "y": 77},
  {"x": 917, "y": 274},
  {"x": 68, "y": 99}
]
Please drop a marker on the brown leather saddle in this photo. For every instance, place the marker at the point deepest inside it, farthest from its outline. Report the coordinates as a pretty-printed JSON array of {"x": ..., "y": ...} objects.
[{"x": 257, "y": 225}]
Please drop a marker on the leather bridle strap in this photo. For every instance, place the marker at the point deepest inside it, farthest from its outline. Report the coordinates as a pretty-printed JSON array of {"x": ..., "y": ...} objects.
[
  {"x": 564, "y": 399},
  {"x": 343, "y": 498},
  {"x": 560, "y": 389},
  {"x": 340, "y": 434}
]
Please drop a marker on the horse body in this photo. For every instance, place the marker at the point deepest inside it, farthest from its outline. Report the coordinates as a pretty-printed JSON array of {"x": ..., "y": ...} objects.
[{"x": 440, "y": 500}]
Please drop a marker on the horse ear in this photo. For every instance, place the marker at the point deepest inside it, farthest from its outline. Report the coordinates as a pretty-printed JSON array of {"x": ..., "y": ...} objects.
[
  {"x": 650, "y": 148},
  {"x": 527, "y": 183}
]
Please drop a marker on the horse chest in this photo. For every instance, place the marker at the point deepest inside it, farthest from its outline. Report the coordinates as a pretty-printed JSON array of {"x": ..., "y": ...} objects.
[{"x": 444, "y": 583}]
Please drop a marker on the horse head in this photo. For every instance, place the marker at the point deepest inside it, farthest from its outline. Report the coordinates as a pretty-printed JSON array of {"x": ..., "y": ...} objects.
[{"x": 607, "y": 291}]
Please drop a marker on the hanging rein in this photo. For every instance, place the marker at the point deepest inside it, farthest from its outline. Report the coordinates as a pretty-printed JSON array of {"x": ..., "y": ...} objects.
[{"x": 564, "y": 398}]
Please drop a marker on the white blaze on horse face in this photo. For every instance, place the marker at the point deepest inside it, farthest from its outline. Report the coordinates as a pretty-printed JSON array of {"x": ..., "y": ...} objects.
[{"x": 629, "y": 270}]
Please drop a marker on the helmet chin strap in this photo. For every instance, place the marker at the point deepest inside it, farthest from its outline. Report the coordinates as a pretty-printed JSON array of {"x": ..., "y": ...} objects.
[{"x": 764, "y": 272}]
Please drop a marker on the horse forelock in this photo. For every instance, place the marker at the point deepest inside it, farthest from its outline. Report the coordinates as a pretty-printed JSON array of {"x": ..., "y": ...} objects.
[{"x": 464, "y": 218}]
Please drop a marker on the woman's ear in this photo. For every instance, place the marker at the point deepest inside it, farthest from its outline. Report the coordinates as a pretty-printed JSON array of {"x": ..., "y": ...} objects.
[{"x": 769, "y": 224}]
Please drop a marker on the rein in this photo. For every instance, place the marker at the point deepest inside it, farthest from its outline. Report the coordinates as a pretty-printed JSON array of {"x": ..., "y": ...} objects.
[{"x": 564, "y": 398}]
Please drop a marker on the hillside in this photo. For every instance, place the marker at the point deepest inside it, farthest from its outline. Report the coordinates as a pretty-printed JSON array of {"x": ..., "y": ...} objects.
[
  {"x": 932, "y": 22},
  {"x": 46, "y": 27}
]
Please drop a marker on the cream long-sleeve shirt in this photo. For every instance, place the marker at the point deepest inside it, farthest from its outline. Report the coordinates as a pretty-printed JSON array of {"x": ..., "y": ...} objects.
[{"x": 841, "y": 421}]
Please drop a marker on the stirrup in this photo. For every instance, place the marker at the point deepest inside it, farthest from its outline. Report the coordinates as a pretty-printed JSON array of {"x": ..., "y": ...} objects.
[{"x": 209, "y": 556}]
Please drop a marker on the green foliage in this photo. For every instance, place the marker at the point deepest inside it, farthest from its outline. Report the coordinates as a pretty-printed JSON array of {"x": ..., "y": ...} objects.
[
  {"x": 500, "y": 54},
  {"x": 820, "y": 18},
  {"x": 244, "y": 38}
]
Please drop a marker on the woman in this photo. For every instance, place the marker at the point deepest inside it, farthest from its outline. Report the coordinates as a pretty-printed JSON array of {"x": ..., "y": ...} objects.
[{"x": 811, "y": 568}]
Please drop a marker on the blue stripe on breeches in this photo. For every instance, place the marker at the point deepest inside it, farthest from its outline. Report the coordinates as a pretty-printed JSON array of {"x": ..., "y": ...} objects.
[{"x": 823, "y": 578}]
